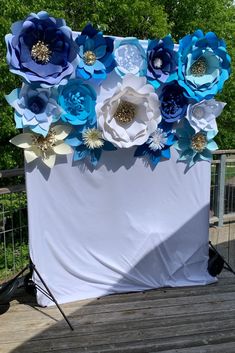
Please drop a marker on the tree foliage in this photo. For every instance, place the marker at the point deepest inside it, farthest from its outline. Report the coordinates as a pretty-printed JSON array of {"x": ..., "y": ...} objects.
[{"x": 141, "y": 18}]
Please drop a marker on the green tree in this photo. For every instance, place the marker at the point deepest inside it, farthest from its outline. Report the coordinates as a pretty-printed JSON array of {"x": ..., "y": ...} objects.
[{"x": 141, "y": 18}]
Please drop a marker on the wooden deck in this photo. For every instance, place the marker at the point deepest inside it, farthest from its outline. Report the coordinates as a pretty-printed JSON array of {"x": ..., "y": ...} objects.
[{"x": 183, "y": 320}]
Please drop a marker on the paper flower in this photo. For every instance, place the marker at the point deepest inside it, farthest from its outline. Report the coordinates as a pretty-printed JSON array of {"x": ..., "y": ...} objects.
[
  {"x": 173, "y": 102},
  {"x": 202, "y": 115},
  {"x": 162, "y": 61},
  {"x": 77, "y": 101},
  {"x": 204, "y": 64},
  {"x": 36, "y": 146},
  {"x": 194, "y": 146},
  {"x": 130, "y": 114},
  {"x": 157, "y": 146},
  {"x": 34, "y": 108},
  {"x": 130, "y": 57},
  {"x": 40, "y": 49},
  {"x": 88, "y": 143},
  {"x": 95, "y": 53}
]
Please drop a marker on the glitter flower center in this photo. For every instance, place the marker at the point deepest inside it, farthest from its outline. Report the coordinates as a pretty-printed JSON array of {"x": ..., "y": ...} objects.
[
  {"x": 45, "y": 143},
  {"x": 125, "y": 112},
  {"x": 157, "y": 140},
  {"x": 157, "y": 63},
  {"x": 199, "y": 68},
  {"x": 89, "y": 57},
  {"x": 40, "y": 52},
  {"x": 92, "y": 138},
  {"x": 198, "y": 142},
  {"x": 74, "y": 103}
]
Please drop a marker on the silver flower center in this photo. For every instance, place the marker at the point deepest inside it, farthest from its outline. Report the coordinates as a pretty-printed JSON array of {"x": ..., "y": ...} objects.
[
  {"x": 40, "y": 52},
  {"x": 157, "y": 63}
]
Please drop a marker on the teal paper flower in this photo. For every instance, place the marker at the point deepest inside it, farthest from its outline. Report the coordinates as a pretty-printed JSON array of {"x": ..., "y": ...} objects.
[
  {"x": 204, "y": 65},
  {"x": 77, "y": 101},
  {"x": 194, "y": 146},
  {"x": 35, "y": 108},
  {"x": 130, "y": 57}
]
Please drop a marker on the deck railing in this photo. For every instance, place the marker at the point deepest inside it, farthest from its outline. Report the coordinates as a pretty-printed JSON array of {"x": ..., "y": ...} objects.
[{"x": 13, "y": 209}]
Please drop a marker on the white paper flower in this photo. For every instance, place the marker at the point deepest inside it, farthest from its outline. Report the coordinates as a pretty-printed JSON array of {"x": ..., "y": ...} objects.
[
  {"x": 46, "y": 148},
  {"x": 130, "y": 114},
  {"x": 202, "y": 115}
]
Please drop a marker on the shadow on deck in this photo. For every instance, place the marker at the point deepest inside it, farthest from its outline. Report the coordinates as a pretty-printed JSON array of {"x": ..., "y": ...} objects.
[{"x": 184, "y": 320}]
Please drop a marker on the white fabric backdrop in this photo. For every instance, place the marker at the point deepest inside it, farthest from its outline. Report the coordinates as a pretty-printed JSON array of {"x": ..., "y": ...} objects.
[{"x": 121, "y": 227}]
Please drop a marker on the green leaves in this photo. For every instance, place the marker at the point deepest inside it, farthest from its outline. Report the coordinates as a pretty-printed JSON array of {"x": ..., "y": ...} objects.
[{"x": 140, "y": 18}]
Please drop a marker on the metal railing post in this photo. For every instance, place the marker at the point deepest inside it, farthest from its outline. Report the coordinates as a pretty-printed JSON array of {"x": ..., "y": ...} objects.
[{"x": 221, "y": 188}]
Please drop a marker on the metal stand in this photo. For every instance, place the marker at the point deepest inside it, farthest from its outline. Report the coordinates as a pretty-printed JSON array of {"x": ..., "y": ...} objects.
[
  {"x": 226, "y": 264},
  {"x": 7, "y": 291}
]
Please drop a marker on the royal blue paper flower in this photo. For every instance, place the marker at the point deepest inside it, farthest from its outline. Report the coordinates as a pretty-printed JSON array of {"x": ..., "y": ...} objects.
[
  {"x": 130, "y": 57},
  {"x": 40, "y": 49},
  {"x": 157, "y": 147},
  {"x": 194, "y": 146},
  {"x": 162, "y": 61},
  {"x": 204, "y": 64},
  {"x": 95, "y": 54},
  {"x": 173, "y": 102},
  {"x": 77, "y": 100},
  {"x": 88, "y": 143},
  {"x": 34, "y": 108}
]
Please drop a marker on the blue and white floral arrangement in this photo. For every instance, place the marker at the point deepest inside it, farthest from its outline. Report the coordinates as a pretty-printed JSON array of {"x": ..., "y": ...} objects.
[{"x": 163, "y": 97}]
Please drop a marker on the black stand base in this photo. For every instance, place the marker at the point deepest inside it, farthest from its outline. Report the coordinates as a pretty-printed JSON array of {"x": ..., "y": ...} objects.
[
  {"x": 216, "y": 262},
  {"x": 9, "y": 288}
]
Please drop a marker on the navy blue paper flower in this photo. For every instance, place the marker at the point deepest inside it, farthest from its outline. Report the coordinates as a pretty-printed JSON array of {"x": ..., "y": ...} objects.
[
  {"x": 173, "y": 102},
  {"x": 157, "y": 147},
  {"x": 95, "y": 53},
  {"x": 162, "y": 61},
  {"x": 41, "y": 49},
  {"x": 204, "y": 64},
  {"x": 77, "y": 100},
  {"x": 88, "y": 143}
]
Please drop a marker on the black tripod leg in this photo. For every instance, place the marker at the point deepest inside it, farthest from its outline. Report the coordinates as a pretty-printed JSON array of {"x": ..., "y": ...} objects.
[
  {"x": 227, "y": 267},
  {"x": 52, "y": 296}
]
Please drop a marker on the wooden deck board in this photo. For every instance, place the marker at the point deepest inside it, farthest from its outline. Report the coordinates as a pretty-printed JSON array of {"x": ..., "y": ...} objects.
[{"x": 170, "y": 320}]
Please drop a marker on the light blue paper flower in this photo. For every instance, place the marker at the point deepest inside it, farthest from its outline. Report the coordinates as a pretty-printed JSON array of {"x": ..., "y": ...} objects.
[
  {"x": 130, "y": 57},
  {"x": 77, "y": 101},
  {"x": 194, "y": 146},
  {"x": 34, "y": 108},
  {"x": 95, "y": 54},
  {"x": 88, "y": 143},
  {"x": 204, "y": 65}
]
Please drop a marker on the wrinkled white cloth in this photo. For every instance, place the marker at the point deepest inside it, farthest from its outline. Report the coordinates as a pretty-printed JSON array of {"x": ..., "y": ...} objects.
[{"x": 118, "y": 228}]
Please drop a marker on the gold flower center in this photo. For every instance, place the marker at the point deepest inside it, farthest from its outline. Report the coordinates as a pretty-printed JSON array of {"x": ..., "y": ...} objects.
[
  {"x": 199, "y": 68},
  {"x": 89, "y": 57},
  {"x": 92, "y": 138},
  {"x": 41, "y": 52},
  {"x": 45, "y": 143},
  {"x": 125, "y": 112},
  {"x": 198, "y": 142}
]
